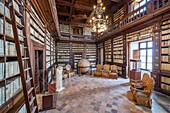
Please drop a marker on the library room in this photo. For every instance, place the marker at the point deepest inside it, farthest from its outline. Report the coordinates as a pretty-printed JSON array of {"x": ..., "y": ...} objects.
[{"x": 84, "y": 56}]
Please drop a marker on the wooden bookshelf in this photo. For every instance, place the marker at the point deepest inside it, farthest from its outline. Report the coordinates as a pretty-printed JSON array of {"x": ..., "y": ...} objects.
[
  {"x": 63, "y": 54},
  {"x": 10, "y": 81},
  {"x": 91, "y": 54},
  {"x": 140, "y": 34},
  {"x": 165, "y": 57},
  {"x": 118, "y": 50},
  {"x": 165, "y": 46},
  {"x": 119, "y": 14},
  {"x": 108, "y": 51}
]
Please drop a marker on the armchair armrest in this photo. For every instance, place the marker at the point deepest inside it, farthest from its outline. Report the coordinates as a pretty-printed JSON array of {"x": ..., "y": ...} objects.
[
  {"x": 143, "y": 91},
  {"x": 131, "y": 80}
]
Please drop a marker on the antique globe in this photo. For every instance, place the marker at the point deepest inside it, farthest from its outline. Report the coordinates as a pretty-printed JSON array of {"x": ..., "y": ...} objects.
[{"x": 83, "y": 66}]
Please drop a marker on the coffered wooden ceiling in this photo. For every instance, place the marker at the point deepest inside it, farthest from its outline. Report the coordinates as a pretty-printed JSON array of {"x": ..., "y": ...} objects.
[{"x": 79, "y": 12}]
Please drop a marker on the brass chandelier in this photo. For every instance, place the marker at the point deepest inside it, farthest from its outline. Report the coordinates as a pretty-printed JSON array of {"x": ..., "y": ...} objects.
[{"x": 99, "y": 20}]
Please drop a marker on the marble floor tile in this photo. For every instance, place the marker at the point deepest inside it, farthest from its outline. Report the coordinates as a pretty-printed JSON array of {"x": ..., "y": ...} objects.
[{"x": 88, "y": 94}]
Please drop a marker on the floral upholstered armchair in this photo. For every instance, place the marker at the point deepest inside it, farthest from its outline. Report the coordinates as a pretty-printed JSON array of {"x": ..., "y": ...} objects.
[
  {"x": 139, "y": 83},
  {"x": 98, "y": 72},
  {"x": 113, "y": 72},
  {"x": 106, "y": 71},
  {"x": 143, "y": 96}
]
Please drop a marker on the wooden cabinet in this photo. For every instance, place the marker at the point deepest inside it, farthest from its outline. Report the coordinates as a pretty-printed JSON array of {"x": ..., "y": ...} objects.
[{"x": 135, "y": 72}]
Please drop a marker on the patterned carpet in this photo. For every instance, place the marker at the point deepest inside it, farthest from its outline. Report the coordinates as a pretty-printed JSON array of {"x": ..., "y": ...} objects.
[{"x": 87, "y": 94}]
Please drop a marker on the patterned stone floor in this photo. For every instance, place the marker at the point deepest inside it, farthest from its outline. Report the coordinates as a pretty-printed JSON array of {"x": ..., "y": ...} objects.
[{"x": 87, "y": 94}]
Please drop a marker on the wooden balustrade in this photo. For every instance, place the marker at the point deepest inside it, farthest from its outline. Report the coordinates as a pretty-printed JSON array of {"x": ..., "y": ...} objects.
[
  {"x": 160, "y": 3},
  {"x": 148, "y": 8}
]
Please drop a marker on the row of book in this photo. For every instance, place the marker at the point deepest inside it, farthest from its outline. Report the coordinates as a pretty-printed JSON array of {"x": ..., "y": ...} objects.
[
  {"x": 65, "y": 37},
  {"x": 5, "y": 12},
  {"x": 165, "y": 43},
  {"x": 12, "y": 68},
  {"x": 118, "y": 45},
  {"x": 118, "y": 52},
  {"x": 2, "y": 95},
  {"x": 165, "y": 50},
  {"x": 165, "y": 37},
  {"x": 1, "y": 70},
  {"x": 165, "y": 79},
  {"x": 165, "y": 86},
  {"x": 118, "y": 60},
  {"x": 119, "y": 70},
  {"x": 63, "y": 60},
  {"x": 1, "y": 47},
  {"x": 140, "y": 34},
  {"x": 165, "y": 58},
  {"x": 107, "y": 49},
  {"x": 164, "y": 32},
  {"x": 118, "y": 56},
  {"x": 166, "y": 26},
  {"x": 108, "y": 59},
  {"x": 10, "y": 48},
  {"x": 166, "y": 22},
  {"x": 13, "y": 87},
  {"x": 118, "y": 49},
  {"x": 8, "y": 29},
  {"x": 63, "y": 57},
  {"x": 37, "y": 40},
  {"x": 36, "y": 34},
  {"x": 37, "y": 27},
  {"x": 64, "y": 28},
  {"x": 165, "y": 66}
]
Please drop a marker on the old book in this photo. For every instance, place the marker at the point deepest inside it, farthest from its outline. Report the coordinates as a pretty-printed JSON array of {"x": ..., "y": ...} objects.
[
  {"x": 1, "y": 25},
  {"x": 7, "y": 12},
  {"x": 1, "y": 8},
  {"x": 2, "y": 95},
  {"x": 1, "y": 47},
  {"x": 1, "y": 70}
]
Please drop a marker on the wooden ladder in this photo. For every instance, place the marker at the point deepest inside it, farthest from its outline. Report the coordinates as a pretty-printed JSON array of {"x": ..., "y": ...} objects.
[{"x": 25, "y": 68}]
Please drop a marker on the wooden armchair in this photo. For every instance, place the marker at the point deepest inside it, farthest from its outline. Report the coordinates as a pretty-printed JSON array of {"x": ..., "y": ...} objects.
[
  {"x": 139, "y": 83},
  {"x": 98, "y": 72},
  {"x": 106, "y": 71},
  {"x": 142, "y": 96},
  {"x": 70, "y": 72},
  {"x": 114, "y": 72}
]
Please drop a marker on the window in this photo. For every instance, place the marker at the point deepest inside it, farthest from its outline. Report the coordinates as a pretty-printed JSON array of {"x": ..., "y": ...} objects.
[
  {"x": 135, "y": 5},
  {"x": 146, "y": 55}
]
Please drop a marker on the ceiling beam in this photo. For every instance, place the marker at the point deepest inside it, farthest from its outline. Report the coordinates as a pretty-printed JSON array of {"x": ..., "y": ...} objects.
[
  {"x": 83, "y": 7},
  {"x": 77, "y": 6},
  {"x": 63, "y": 14},
  {"x": 75, "y": 16},
  {"x": 116, "y": 1},
  {"x": 75, "y": 23}
]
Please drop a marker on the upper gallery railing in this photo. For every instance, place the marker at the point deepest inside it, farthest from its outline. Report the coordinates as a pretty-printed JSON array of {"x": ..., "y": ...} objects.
[{"x": 150, "y": 7}]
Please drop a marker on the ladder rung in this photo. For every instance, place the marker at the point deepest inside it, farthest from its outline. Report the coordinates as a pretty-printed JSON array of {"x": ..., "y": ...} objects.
[
  {"x": 28, "y": 80},
  {"x": 30, "y": 90},
  {"x": 25, "y": 58},
  {"x": 25, "y": 47},
  {"x": 32, "y": 100},
  {"x": 27, "y": 69},
  {"x": 34, "y": 109}
]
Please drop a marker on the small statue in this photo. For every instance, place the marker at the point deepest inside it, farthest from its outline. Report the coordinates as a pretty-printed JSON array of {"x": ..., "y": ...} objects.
[{"x": 59, "y": 84}]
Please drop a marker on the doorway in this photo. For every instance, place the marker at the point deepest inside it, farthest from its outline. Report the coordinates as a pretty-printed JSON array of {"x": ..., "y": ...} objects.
[
  {"x": 38, "y": 75},
  {"x": 141, "y": 50}
]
